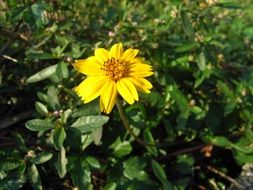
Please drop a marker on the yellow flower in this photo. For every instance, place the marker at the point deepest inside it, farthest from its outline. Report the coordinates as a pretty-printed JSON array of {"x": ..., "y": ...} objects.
[{"x": 112, "y": 72}]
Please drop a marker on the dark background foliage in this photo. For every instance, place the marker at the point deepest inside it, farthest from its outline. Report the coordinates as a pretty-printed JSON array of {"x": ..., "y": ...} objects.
[{"x": 199, "y": 112}]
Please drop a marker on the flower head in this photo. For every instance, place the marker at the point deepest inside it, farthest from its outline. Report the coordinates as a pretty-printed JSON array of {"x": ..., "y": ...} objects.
[{"x": 112, "y": 72}]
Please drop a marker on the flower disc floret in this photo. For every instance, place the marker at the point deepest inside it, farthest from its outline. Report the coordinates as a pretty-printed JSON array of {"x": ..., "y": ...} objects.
[{"x": 114, "y": 68}]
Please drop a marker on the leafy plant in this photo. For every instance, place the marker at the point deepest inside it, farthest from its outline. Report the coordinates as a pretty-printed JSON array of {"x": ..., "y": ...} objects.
[{"x": 194, "y": 130}]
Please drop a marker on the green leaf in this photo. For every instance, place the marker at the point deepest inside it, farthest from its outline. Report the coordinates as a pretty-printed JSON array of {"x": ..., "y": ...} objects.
[
  {"x": 61, "y": 40},
  {"x": 201, "y": 61},
  {"x": 245, "y": 115},
  {"x": 43, "y": 74},
  {"x": 158, "y": 170},
  {"x": 96, "y": 135},
  {"x": 39, "y": 125},
  {"x": 18, "y": 12},
  {"x": 80, "y": 172},
  {"x": 21, "y": 144},
  {"x": 62, "y": 70},
  {"x": 110, "y": 186},
  {"x": 65, "y": 116},
  {"x": 13, "y": 182},
  {"x": 243, "y": 145},
  {"x": 41, "y": 158},
  {"x": 43, "y": 97},
  {"x": 187, "y": 46},
  {"x": 182, "y": 119},
  {"x": 134, "y": 168},
  {"x": 59, "y": 136},
  {"x": 10, "y": 164},
  {"x": 41, "y": 108},
  {"x": 184, "y": 164},
  {"x": 229, "y": 5},
  {"x": 76, "y": 52},
  {"x": 221, "y": 141},
  {"x": 148, "y": 137},
  {"x": 61, "y": 163},
  {"x": 53, "y": 99},
  {"x": 229, "y": 108},
  {"x": 179, "y": 98},
  {"x": 249, "y": 133},
  {"x": 37, "y": 10},
  {"x": 39, "y": 55},
  {"x": 121, "y": 149},
  {"x": 160, "y": 174},
  {"x": 58, "y": 51},
  {"x": 2, "y": 175},
  {"x": 73, "y": 138},
  {"x": 187, "y": 25},
  {"x": 34, "y": 177},
  {"x": 90, "y": 123},
  {"x": 243, "y": 158},
  {"x": 183, "y": 106},
  {"x": 91, "y": 108},
  {"x": 93, "y": 162}
]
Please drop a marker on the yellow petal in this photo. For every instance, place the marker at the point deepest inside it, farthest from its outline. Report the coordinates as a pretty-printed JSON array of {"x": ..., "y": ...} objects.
[
  {"x": 140, "y": 70},
  {"x": 102, "y": 55},
  {"x": 90, "y": 66},
  {"x": 127, "y": 90},
  {"x": 140, "y": 67},
  {"x": 116, "y": 51},
  {"x": 140, "y": 74},
  {"x": 141, "y": 84},
  {"x": 137, "y": 60},
  {"x": 108, "y": 97},
  {"x": 129, "y": 54},
  {"x": 91, "y": 88}
]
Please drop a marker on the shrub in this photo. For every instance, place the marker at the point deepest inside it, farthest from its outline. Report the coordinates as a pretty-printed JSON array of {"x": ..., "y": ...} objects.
[{"x": 193, "y": 131}]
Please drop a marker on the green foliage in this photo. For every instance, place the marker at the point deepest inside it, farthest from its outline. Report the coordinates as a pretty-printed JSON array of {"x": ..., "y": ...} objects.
[{"x": 198, "y": 114}]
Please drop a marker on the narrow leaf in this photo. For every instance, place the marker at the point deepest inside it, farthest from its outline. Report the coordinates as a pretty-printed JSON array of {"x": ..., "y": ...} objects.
[
  {"x": 148, "y": 137},
  {"x": 96, "y": 135},
  {"x": 201, "y": 61},
  {"x": 158, "y": 170},
  {"x": 43, "y": 74},
  {"x": 59, "y": 136},
  {"x": 41, "y": 108},
  {"x": 41, "y": 158},
  {"x": 89, "y": 123},
  {"x": 39, "y": 125},
  {"x": 62, "y": 70},
  {"x": 61, "y": 163},
  {"x": 34, "y": 177}
]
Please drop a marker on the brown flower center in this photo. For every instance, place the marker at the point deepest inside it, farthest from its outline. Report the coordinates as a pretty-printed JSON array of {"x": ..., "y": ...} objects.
[{"x": 114, "y": 68}]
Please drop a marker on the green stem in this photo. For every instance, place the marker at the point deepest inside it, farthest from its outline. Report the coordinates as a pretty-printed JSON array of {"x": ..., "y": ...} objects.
[
  {"x": 126, "y": 123},
  {"x": 127, "y": 126}
]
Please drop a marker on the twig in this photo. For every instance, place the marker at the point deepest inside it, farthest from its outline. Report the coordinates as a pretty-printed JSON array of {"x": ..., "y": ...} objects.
[
  {"x": 10, "y": 58},
  {"x": 183, "y": 151},
  {"x": 228, "y": 178},
  {"x": 14, "y": 35},
  {"x": 127, "y": 126},
  {"x": 11, "y": 40},
  {"x": 4, "y": 123}
]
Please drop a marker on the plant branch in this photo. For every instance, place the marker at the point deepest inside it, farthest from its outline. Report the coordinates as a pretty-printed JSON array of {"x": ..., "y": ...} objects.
[
  {"x": 7, "y": 122},
  {"x": 183, "y": 151},
  {"x": 127, "y": 126},
  {"x": 126, "y": 123},
  {"x": 228, "y": 178}
]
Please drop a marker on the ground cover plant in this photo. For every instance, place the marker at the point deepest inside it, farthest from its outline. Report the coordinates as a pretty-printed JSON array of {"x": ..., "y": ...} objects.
[{"x": 189, "y": 126}]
